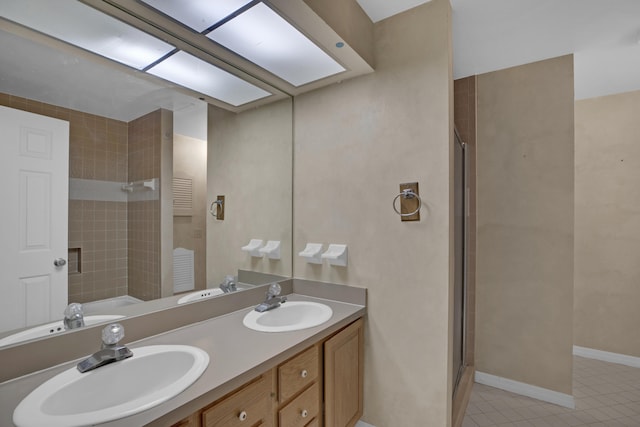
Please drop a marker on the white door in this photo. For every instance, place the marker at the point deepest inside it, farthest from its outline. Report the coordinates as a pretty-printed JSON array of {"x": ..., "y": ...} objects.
[{"x": 34, "y": 168}]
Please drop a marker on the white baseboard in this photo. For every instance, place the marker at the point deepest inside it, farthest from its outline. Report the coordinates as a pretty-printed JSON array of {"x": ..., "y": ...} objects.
[
  {"x": 607, "y": 356},
  {"x": 363, "y": 424},
  {"x": 524, "y": 389}
]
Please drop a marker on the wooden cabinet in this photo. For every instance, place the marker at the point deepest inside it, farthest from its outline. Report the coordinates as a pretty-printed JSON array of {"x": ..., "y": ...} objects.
[
  {"x": 292, "y": 394},
  {"x": 251, "y": 405},
  {"x": 298, "y": 372},
  {"x": 343, "y": 375},
  {"x": 299, "y": 385},
  {"x": 302, "y": 410},
  {"x": 191, "y": 421}
]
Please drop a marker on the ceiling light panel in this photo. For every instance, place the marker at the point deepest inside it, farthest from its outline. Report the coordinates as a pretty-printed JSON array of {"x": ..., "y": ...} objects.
[
  {"x": 269, "y": 41},
  {"x": 194, "y": 73},
  {"x": 85, "y": 27},
  {"x": 197, "y": 14}
]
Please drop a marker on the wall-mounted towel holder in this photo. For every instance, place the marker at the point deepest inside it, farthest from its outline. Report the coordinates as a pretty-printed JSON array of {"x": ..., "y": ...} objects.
[
  {"x": 410, "y": 202},
  {"x": 151, "y": 184},
  {"x": 216, "y": 209}
]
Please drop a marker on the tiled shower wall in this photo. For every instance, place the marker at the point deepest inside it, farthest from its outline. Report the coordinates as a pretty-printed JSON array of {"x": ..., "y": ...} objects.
[
  {"x": 97, "y": 229},
  {"x": 144, "y": 136}
]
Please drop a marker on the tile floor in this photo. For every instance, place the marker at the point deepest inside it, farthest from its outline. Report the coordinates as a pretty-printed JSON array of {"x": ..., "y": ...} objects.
[{"x": 606, "y": 395}]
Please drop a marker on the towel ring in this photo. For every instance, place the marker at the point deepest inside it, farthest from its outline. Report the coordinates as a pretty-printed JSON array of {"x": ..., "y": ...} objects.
[
  {"x": 213, "y": 211},
  {"x": 407, "y": 194}
]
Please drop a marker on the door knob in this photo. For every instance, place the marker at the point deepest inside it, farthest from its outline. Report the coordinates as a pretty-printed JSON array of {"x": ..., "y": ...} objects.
[{"x": 60, "y": 262}]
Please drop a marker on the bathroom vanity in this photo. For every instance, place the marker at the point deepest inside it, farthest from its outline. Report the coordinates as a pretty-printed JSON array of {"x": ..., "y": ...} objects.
[
  {"x": 321, "y": 385},
  {"x": 307, "y": 377}
]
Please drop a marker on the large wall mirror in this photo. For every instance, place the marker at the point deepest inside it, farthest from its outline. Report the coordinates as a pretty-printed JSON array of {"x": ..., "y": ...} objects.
[{"x": 146, "y": 161}]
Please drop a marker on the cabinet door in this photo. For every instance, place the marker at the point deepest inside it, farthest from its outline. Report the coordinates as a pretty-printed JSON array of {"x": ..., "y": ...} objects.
[{"x": 343, "y": 374}]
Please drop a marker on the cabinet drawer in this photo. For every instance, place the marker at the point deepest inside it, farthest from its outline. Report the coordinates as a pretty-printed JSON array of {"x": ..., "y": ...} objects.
[
  {"x": 314, "y": 423},
  {"x": 301, "y": 409},
  {"x": 192, "y": 420},
  {"x": 297, "y": 373},
  {"x": 248, "y": 406}
]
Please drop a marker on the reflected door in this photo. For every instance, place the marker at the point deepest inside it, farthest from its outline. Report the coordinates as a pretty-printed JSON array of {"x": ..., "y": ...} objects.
[{"x": 34, "y": 165}]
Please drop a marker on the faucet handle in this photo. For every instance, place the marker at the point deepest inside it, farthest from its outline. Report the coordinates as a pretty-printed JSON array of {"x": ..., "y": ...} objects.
[
  {"x": 73, "y": 310},
  {"x": 73, "y": 316},
  {"x": 274, "y": 290},
  {"x": 112, "y": 334}
]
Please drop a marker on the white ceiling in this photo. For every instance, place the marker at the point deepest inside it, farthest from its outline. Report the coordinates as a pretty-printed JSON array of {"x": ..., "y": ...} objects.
[
  {"x": 382, "y": 9},
  {"x": 488, "y": 35}
]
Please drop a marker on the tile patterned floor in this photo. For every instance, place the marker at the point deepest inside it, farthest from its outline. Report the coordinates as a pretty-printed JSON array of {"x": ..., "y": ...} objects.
[{"x": 606, "y": 395}]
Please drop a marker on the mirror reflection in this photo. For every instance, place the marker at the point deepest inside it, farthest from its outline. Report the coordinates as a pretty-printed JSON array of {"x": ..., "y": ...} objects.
[{"x": 145, "y": 162}]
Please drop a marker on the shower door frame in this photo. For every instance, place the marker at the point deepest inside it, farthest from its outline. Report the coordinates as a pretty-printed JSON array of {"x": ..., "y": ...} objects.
[{"x": 465, "y": 240}]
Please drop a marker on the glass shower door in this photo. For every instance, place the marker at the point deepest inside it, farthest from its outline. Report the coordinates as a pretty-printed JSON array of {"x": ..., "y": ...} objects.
[{"x": 460, "y": 261}]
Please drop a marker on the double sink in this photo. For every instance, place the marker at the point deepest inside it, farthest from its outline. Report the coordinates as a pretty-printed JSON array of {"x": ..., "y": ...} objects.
[{"x": 153, "y": 375}]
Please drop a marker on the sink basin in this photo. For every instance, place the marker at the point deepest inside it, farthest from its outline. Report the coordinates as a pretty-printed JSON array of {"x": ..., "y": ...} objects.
[
  {"x": 154, "y": 374},
  {"x": 290, "y": 316},
  {"x": 197, "y": 296},
  {"x": 54, "y": 328}
]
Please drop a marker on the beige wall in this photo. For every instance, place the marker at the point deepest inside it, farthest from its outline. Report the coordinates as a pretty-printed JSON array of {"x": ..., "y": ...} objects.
[
  {"x": 249, "y": 159},
  {"x": 354, "y": 144},
  {"x": 189, "y": 231},
  {"x": 607, "y": 224},
  {"x": 524, "y": 283}
]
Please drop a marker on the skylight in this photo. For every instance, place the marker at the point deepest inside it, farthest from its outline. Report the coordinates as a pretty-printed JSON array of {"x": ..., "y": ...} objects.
[
  {"x": 249, "y": 28},
  {"x": 196, "y": 74},
  {"x": 85, "y": 27},
  {"x": 197, "y": 14},
  {"x": 269, "y": 41}
]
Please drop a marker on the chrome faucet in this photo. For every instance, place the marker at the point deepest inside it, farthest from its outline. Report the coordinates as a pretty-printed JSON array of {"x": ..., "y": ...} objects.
[
  {"x": 273, "y": 300},
  {"x": 110, "y": 351},
  {"x": 73, "y": 316},
  {"x": 229, "y": 284}
]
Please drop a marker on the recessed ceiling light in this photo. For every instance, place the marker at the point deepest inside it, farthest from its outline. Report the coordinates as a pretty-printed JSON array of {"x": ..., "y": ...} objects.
[
  {"x": 197, "y": 14},
  {"x": 85, "y": 27},
  {"x": 203, "y": 77},
  {"x": 265, "y": 38}
]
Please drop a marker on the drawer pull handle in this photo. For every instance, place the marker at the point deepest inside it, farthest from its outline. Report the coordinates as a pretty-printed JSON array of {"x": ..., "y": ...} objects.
[
  {"x": 304, "y": 373},
  {"x": 304, "y": 413},
  {"x": 242, "y": 416}
]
